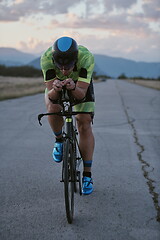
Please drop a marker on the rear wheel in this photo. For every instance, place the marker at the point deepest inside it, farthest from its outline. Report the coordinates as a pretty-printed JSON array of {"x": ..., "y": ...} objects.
[{"x": 68, "y": 174}]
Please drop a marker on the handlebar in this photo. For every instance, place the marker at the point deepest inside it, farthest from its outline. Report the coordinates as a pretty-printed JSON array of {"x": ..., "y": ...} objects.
[{"x": 61, "y": 113}]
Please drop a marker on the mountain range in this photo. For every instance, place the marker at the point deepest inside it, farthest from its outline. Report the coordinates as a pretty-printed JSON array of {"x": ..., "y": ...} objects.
[
  {"x": 14, "y": 57},
  {"x": 104, "y": 65}
]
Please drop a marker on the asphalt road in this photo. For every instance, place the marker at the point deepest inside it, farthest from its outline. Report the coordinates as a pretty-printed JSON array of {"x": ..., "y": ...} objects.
[{"x": 125, "y": 203}]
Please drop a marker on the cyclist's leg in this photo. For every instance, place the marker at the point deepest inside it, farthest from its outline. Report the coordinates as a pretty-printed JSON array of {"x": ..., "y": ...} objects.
[
  {"x": 86, "y": 139},
  {"x": 86, "y": 142},
  {"x": 56, "y": 122}
]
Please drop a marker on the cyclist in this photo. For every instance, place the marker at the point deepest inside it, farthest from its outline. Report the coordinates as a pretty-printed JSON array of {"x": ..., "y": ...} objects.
[{"x": 71, "y": 65}]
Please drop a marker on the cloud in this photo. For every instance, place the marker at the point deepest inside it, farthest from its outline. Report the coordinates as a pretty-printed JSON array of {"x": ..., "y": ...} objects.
[
  {"x": 122, "y": 22},
  {"x": 14, "y": 10},
  {"x": 124, "y": 4},
  {"x": 33, "y": 45},
  {"x": 151, "y": 9},
  {"x": 124, "y": 46},
  {"x": 22, "y": 8},
  {"x": 109, "y": 5}
]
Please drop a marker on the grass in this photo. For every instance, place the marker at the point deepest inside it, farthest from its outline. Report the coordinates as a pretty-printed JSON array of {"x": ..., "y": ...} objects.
[
  {"x": 14, "y": 87},
  {"x": 155, "y": 84}
]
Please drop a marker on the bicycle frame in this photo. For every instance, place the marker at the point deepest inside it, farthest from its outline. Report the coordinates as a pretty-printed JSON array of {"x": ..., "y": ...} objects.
[
  {"x": 71, "y": 153},
  {"x": 67, "y": 111}
]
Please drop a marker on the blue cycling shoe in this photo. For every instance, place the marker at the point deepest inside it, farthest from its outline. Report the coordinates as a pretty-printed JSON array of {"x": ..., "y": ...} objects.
[
  {"x": 87, "y": 187},
  {"x": 57, "y": 152}
]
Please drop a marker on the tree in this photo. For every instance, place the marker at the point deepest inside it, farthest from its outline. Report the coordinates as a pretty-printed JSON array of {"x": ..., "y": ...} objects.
[
  {"x": 22, "y": 71},
  {"x": 122, "y": 76}
]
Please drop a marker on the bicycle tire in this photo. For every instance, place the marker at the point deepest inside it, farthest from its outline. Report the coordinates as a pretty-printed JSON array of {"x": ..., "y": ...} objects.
[
  {"x": 80, "y": 182},
  {"x": 68, "y": 180},
  {"x": 74, "y": 165}
]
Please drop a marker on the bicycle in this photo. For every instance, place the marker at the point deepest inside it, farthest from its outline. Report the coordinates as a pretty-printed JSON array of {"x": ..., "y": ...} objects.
[{"x": 71, "y": 175}]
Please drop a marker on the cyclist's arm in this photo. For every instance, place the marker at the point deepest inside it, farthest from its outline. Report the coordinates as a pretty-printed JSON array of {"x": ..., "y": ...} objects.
[
  {"x": 80, "y": 90},
  {"x": 52, "y": 94},
  {"x": 86, "y": 66},
  {"x": 49, "y": 74}
]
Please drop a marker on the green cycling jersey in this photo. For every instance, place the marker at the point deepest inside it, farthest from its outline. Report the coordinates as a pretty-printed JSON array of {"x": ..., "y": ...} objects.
[{"x": 82, "y": 71}]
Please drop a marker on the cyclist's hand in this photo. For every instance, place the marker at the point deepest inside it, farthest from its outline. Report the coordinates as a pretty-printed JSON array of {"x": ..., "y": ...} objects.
[
  {"x": 70, "y": 84},
  {"x": 57, "y": 85}
]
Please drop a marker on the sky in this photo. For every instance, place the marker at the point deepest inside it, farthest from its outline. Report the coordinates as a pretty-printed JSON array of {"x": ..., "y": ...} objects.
[{"x": 117, "y": 28}]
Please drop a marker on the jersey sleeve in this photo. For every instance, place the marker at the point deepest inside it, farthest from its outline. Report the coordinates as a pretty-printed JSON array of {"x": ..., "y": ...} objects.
[
  {"x": 47, "y": 66},
  {"x": 86, "y": 67}
]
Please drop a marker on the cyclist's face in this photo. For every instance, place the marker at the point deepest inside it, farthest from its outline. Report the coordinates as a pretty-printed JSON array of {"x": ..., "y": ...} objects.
[{"x": 66, "y": 72}]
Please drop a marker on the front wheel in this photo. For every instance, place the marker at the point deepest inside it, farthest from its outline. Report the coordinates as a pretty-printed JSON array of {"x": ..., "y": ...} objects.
[{"x": 69, "y": 178}]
